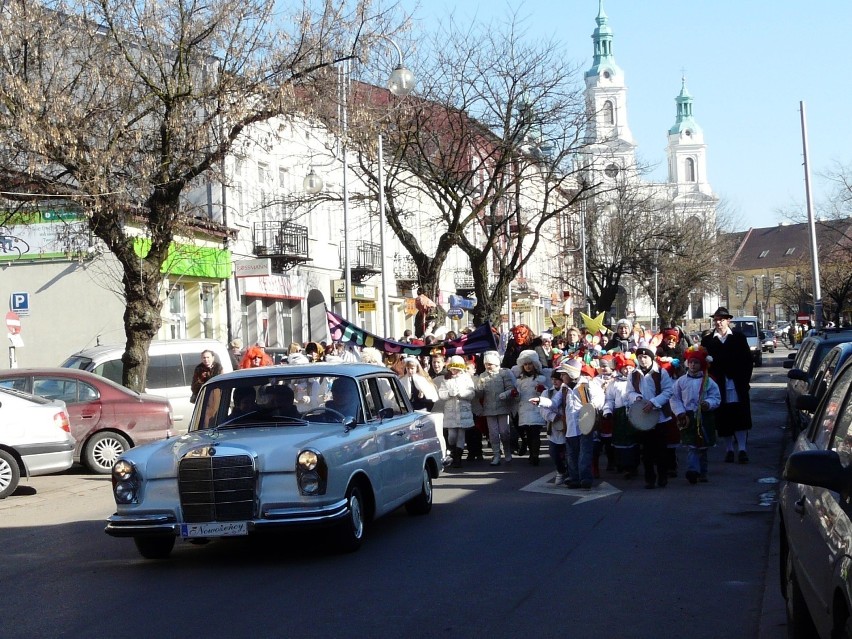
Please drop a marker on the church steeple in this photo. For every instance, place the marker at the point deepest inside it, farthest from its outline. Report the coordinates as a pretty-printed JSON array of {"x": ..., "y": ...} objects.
[
  {"x": 602, "y": 38},
  {"x": 686, "y": 151},
  {"x": 684, "y": 120},
  {"x": 606, "y": 100}
]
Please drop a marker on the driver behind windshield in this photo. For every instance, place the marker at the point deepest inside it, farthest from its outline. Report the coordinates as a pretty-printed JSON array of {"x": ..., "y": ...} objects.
[{"x": 344, "y": 397}]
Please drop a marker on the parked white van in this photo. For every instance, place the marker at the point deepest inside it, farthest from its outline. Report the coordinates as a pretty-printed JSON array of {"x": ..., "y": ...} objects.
[{"x": 170, "y": 367}]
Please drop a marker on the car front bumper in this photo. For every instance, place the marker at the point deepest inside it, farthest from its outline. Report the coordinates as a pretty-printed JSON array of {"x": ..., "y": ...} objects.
[{"x": 272, "y": 517}]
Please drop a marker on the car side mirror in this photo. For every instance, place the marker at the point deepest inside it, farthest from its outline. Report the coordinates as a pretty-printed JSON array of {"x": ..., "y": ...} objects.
[
  {"x": 788, "y": 363},
  {"x": 818, "y": 468},
  {"x": 806, "y": 403},
  {"x": 798, "y": 374},
  {"x": 386, "y": 412},
  {"x": 791, "y": 355}
]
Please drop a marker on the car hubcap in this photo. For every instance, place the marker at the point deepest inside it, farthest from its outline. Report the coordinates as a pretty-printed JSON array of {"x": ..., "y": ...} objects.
[
  {"x": 107, "y": 451},
  {"x": 5, "y": 475},
  {"x": 427, "y": 486},
  {"x": 356, "y": 515}
]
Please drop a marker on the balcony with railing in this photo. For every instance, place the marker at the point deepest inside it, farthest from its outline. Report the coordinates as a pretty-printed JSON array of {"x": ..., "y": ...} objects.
[
  {"x": 404, "y": 270},
  {"x": 284, "y": 242},
  {"x": 463, "y": 281},
  {"x": 366, "y": 260}
]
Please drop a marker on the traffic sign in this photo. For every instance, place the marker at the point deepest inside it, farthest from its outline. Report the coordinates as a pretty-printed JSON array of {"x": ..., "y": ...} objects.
[
  {"x": 19, "y": 302},
  {"x": 13, "y": 323},
  {"x": 455, "y": 313}
]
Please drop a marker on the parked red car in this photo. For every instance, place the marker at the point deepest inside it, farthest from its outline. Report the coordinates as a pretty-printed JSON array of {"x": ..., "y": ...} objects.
[{"x": 106, "y": 419}]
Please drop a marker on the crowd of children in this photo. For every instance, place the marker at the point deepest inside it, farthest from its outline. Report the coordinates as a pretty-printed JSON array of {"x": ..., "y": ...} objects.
[{"x": 628, "y": 397}]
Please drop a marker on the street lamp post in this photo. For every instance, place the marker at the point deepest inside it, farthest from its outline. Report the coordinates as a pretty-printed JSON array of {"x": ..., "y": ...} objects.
[{"x": 400, "y": 83}]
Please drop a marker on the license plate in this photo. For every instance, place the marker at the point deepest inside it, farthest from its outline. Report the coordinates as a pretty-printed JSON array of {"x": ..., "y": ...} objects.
[{"x": 218, "y": 529}]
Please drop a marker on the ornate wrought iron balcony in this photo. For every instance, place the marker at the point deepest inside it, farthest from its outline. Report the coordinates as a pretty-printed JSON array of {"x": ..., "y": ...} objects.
[
  {"x": 286, "y": 243},
  {"x": 463, "y": 280},
  {"x": 404, "y": 269},
  {"x": 365, "y": 260}
]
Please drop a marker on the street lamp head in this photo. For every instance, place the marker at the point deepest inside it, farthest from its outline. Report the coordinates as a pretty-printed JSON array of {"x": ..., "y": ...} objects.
[
  {"x": 312, "y": 183},
  {"x": 401, "y": 81}
]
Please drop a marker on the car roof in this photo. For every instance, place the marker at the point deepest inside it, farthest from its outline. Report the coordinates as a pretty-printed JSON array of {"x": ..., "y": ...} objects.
[
  {"x": 56, "y": 371},
  {"x": 309, "y": 370},
  {"x": 189, "y": 344}
]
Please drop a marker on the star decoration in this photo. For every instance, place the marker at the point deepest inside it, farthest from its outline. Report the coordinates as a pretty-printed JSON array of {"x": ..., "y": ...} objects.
[{"x": 594, "y": 325}]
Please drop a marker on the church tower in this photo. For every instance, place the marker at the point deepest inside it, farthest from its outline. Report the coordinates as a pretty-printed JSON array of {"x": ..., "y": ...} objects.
[
  {"x": 613, "y": 147},
  {"x": 686, "y": 151}
]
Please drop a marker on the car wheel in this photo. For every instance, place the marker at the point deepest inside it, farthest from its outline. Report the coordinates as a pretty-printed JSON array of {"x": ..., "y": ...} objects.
[
  {"x": 350, "y": 533},
  {"x": 10, "y": 474},
  {"x": 800, "y": 625},
  {"x": 422, "y": 504},
  {"x": 154, "y": 547},
  {"x": 103, "y": 450}
]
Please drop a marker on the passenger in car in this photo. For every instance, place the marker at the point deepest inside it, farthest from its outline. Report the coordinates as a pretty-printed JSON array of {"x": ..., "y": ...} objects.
[
  {"x": 244, "y": 401},
  {"x": 344, "y": 397},
  {"x": 283, "y": 401}
]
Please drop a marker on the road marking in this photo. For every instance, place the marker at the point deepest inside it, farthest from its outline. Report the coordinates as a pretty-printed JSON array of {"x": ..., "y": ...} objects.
[{"x": 545, "y": 485}]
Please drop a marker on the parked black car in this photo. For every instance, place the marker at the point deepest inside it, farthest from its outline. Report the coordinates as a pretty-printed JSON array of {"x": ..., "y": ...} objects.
[
  {"x": 804, "y": 363},
  {"x": 815, "y": 528}
]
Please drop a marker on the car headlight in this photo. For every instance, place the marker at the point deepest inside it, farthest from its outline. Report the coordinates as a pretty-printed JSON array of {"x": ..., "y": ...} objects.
[
  {"x": 311, "y": 473},
  {"x": 125, "y": 482}
]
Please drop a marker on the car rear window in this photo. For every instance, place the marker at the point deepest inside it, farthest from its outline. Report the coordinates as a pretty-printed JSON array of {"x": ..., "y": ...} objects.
[{"x": 77, "y": 361}]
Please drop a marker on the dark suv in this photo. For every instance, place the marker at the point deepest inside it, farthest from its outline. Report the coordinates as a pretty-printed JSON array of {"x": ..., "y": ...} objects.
[
  {"x": 804, "y": 363},
  {"x": 815, "y": 528}
]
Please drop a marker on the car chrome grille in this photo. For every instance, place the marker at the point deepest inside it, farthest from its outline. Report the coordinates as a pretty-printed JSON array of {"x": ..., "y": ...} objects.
[{"x": 218, "y": 488}]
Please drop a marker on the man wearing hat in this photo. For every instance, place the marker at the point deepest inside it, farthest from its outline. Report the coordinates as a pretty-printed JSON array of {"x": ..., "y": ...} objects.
[
  {"x": 731, "y": 369},
  {"x": 568, "y": 403}
]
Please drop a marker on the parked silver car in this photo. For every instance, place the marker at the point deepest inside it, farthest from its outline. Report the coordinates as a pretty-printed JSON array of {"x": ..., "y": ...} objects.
[
  {"x": 815, "y": 525},
  {"x": 35, "y": 438},
  {"x": 326, "y": 445}
]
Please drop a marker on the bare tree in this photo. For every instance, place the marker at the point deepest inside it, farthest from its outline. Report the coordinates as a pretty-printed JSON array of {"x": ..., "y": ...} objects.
[
  {"x": 123, "y": 107},
  {"x": 482, "y": 156}
]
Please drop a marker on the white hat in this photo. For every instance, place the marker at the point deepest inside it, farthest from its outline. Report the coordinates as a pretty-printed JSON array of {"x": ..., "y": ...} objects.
[
  {"x": 298, "y": 358},
  {"x": 531, "y": 357},
  {"x": 491, "y": 357},
  {"x": 572, "y": 367}
]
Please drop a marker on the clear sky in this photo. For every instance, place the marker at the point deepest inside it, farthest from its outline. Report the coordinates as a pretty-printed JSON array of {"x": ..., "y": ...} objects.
[{"x": 748, "y": 64}]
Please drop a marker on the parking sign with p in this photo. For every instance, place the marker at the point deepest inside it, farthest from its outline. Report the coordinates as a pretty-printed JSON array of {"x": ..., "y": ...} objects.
[{"x": 19, "y": 303}]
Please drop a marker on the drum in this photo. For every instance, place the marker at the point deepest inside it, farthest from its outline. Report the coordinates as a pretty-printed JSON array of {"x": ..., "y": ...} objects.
[
  {"x": 586, "y": 418},
  {"x": 639, "y": 418}
]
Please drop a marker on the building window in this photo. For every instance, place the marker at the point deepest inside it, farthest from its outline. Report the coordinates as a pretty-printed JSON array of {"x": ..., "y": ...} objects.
[
  {"x": 763, "y": 254},
  {"x": 777, "y": 280},
  {"x": 790, "y": 250},
  {"x": 690, "y": 170},
  {"x": 740, "y": 284},
  {"x": 208, "y": 299},
  {"x": 177, "y": 312},
  {"x": 608, "y": 113}
]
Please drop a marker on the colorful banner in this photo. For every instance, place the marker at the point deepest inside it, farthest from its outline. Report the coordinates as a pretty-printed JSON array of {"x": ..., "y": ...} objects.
[{"x": 478, "y": 341}]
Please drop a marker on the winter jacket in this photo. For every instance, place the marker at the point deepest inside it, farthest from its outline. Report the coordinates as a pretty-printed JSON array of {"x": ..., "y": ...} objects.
[
  {"x": 496, "y": 392},
  {"x": 456, "y": 394},
  {"x": 529, "y": 387}
]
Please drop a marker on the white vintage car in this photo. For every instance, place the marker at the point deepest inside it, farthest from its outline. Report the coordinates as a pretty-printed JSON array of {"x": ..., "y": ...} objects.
[{"x": 331, "y": 445}]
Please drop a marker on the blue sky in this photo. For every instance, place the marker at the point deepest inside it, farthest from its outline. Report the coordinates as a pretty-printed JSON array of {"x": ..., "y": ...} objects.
[{"x": 747, "y": 65}]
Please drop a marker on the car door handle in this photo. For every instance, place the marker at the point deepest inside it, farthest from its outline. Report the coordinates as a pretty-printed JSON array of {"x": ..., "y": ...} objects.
[
  {"x": 87, "y": 415},
  {"x": 799, "y": 506},
  {"x": 398, "y": 433}
]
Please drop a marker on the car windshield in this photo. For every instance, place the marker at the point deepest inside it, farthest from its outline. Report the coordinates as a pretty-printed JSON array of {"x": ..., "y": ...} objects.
[
  {"x": 749, "y": 329},
  {"x": 276, "y": 399}
]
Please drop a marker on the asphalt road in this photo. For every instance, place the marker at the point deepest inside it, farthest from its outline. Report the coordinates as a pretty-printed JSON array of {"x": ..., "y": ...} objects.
[{"x": 503, "y": 554}]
